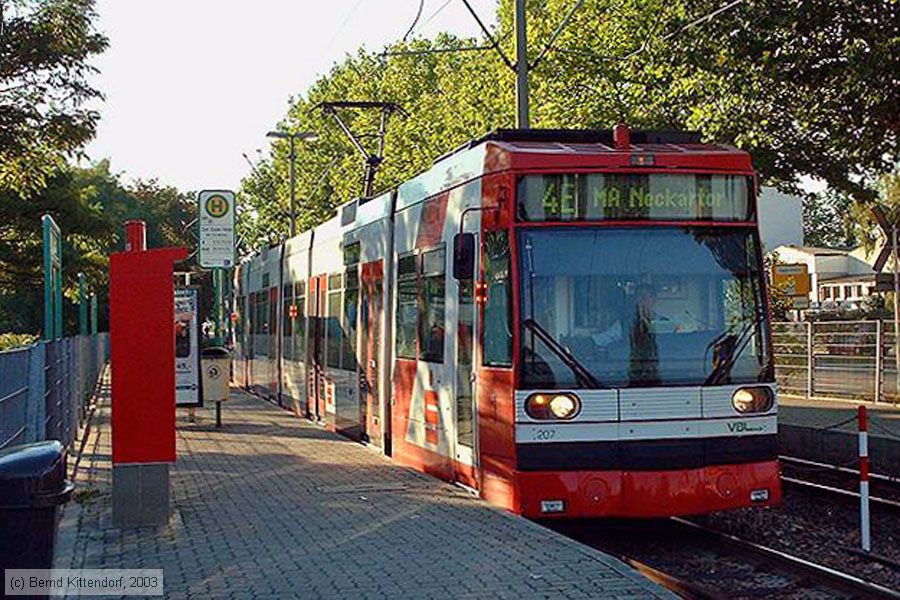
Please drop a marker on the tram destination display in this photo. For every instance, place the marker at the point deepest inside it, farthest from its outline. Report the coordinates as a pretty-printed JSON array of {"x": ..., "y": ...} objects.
[
  {"x": 187, "y": 347},
  {"x": 633, "y": 196},
  {"x": 216, "y": 229}
]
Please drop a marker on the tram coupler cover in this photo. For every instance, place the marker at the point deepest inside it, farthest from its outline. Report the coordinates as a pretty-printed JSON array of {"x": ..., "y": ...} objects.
[{"x": 142, "y": 356}]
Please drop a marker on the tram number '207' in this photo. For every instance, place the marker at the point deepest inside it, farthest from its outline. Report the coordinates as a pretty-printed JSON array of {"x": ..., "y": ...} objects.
[{"x": 542, "y": 435}]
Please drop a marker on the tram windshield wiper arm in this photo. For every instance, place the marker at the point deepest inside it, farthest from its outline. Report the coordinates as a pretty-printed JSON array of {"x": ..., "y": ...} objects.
[
  {"x": 741, "y": 340},
  {"x": 582, "y": 374}
]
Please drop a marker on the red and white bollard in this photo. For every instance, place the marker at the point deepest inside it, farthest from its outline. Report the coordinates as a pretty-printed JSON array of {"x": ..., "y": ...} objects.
[{"x": 865, "y": 534}]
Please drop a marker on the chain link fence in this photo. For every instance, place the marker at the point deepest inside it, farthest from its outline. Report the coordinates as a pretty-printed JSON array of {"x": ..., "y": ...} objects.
[
  {"x": 45, "y": 388},
  {"x": 850, "y": 360}
]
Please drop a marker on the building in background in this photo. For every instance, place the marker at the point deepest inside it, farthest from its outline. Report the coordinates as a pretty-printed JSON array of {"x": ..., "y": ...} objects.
[{"x": 838, "y": 276}]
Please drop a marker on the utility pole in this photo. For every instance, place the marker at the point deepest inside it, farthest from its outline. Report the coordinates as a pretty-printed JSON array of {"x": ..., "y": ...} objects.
[
  {"x": 522, "y": 117},
  {"x": 888, "y": 222},
  {"x": 293, "y": 184},
  {"x": 292, "y": 138},
  {"x": 896, "y": 314}
]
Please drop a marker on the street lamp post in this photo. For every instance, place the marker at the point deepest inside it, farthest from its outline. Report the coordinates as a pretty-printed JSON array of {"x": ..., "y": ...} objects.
[{"x": 305, "y": 136}]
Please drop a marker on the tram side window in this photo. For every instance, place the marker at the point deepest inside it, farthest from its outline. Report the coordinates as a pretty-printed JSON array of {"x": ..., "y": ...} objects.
[
  {"x": 497, "y": 329},
  {"x": 432, "y": 323},
  {"x": 273, "y": 321},
  {"x": 260, "y": 323},
  {"x": 333, "y": 323},
  {"x": 262, "y": 307},
  {"x": 407, "y": 306},
  {"x": 287, "y": 329},
  {"x": 351, "y": 309},
  {"x": 300, "y": 321}
]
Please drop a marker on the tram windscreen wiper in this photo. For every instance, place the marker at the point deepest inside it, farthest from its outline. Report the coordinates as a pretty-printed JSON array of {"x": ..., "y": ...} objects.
[
  {"x": 582, "y": 374},
  {"x": 723, "y": 369}
]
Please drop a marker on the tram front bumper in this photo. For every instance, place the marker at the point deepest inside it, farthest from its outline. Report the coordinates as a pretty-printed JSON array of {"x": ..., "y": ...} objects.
[{"x": 647, "y": 494}]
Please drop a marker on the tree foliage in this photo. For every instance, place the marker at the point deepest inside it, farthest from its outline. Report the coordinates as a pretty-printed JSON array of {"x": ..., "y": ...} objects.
[
  {"x": 89, "y": 205},
  {"x": 809, "y": 87},
  {"x": 449, "y": 98},
  {"x": 828, "y": 220},
  {"x": 887, "y": 188},
  {"x": 45, "y": 53}
]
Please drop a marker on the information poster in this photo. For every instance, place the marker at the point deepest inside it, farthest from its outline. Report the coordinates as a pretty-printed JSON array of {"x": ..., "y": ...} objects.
[{"x": 187, "y": 347}]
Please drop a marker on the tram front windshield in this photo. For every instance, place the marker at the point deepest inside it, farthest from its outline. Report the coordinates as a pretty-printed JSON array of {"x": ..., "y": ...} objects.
[{"x": 641, "y": 307}]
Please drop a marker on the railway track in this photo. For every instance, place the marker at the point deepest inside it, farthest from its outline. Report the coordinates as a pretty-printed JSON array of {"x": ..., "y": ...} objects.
[
  {"x": 700, "y": 563},
  {"x": 840, "y": 481}
]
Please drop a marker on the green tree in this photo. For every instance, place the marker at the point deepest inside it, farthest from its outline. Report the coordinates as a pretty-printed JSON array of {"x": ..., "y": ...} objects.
[
  {"x": 809, "y": 87},
  {"x": 45, "y": 53},
  {"x": 82, "y": 224},
  {"x": 827, "y": 220},
  {"x": 867, "y": 231},
  {"x": 89, "y": 204},
  {"x": 449, "y": 97},
  {"x": 780, "y": 303}
]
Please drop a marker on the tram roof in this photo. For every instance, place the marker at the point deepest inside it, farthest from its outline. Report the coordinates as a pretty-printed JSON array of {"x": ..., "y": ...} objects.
[{"x": 536, "y": 149}]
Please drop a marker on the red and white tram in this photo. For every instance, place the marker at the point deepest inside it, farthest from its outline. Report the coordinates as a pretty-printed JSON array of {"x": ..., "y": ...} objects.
[{"x": 572, "y": 323}]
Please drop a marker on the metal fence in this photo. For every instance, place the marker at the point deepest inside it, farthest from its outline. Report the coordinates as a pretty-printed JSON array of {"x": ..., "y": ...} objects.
[
  {"x": 853, "y": 360},
  {"x": 45, "y": 388}
]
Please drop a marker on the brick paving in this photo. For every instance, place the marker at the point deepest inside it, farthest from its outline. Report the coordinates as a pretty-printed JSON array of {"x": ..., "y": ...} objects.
[{"x": 271, "y": 506}]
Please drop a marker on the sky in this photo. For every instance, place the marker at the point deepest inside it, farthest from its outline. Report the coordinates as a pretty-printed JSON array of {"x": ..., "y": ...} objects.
[{"x": 190, "y": 85}]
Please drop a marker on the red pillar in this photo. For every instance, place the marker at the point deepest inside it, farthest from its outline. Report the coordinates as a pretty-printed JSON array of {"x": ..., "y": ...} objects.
[
  {"x": 135, "y": 236},
  {"x": 142, "y": 356}
]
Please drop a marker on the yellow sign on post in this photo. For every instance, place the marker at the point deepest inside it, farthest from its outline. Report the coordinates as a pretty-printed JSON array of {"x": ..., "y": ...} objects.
[
  {"x": 216, "y": 229},
  {"x": 795, "y": 279}
]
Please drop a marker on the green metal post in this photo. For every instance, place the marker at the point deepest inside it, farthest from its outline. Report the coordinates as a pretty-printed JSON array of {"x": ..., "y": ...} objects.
[
  {"x": 93, "y": 314},
  {"x": 217, "y": 306},
  {"x": 49, "y": 325},
  {"x": 227, "y": 306},
  {"x": 52, "y": 279},
  {"x": 58, "y": 304},
  {"x": 82, "y": 305}
]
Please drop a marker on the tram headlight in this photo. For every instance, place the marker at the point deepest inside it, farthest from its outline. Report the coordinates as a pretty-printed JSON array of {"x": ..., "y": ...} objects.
[
  {"x": 547, "y": 407},
  {"x": 752, "y": 399}
]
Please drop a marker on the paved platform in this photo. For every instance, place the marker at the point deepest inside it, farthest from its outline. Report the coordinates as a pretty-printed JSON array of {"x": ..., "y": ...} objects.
[{"x": 270, "y": 506}]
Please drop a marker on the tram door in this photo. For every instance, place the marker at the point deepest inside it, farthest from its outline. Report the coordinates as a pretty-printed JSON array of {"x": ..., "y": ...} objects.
[
  {"x": 465, "y": 384},
  {"x": 316, "y": 373},
  {"x": 272, "y": 366},
  {"x": 371, "y": 305}
]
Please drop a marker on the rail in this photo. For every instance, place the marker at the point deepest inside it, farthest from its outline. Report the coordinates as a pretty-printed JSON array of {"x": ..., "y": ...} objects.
[{"x": 676, "y": 553}]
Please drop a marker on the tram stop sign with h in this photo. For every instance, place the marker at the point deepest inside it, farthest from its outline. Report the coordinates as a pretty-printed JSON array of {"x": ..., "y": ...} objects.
[{"x": 216, "y": 229}]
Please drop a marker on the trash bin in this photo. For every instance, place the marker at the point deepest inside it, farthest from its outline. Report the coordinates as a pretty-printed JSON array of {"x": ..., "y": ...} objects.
[
  {"x": 32, "y": 486},
  {"x": 215, "y": 363}
]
